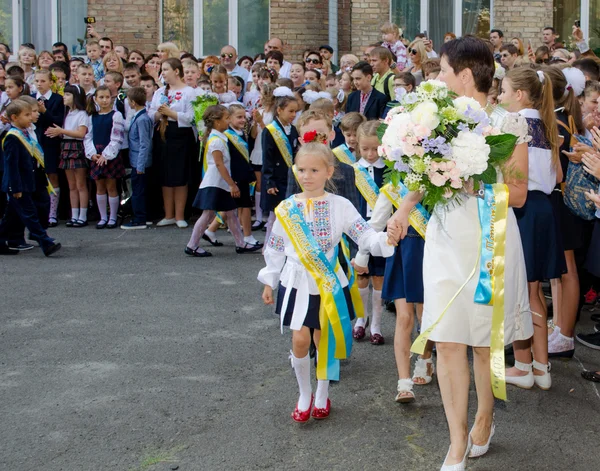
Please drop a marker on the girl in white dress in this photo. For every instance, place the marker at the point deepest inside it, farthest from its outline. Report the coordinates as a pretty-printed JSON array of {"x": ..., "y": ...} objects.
[
  {"x": 327, "y": 217},
  {"x": 451, "y": 253}
]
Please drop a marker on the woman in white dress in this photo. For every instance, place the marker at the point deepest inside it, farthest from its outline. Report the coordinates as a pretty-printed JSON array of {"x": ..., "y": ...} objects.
[{"x": 451, "y": 252}]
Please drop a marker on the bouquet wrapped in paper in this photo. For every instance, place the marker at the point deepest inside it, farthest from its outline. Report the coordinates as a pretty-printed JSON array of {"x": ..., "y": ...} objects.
[
  {"x": 438, "y": 144},
  {"x": 200, "y": 104}
]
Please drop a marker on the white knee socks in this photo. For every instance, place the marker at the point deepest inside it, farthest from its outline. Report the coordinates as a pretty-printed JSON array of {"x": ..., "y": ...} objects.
[
  {"x": 364, "y": 296},
  {"x": 101, "y": 200},
  {"x": 54, "y": 204},
  {"x": 322, "y": 394},
  {"x": 377, "y": 309},
  {"x": 113, "y": 202},
  {"x": 257, "y": 209},
  {"x": 302, "y": 369}
]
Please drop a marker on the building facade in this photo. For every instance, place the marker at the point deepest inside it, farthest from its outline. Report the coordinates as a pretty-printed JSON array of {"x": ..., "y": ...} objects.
[{"x": 203, "y": 26}]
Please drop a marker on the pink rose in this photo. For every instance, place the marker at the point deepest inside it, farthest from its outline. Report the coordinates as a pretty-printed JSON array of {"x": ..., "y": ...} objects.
[
  {"x": 456, "y": 183},
  {"x": 437, "y": 179},
  {"x": 448, "y": 193}
]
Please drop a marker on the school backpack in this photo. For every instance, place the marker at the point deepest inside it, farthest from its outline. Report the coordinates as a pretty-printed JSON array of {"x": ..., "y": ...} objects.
[{"x": 578, "y": 181}]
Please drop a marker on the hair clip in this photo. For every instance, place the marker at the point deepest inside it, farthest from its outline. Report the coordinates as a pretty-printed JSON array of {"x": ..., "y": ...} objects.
[
  {"x": 271, "y": 72},
  {"x": 314, "y": 136},
  {"x": 341, "y": 96},
  {"x": 210, "y": 68}
]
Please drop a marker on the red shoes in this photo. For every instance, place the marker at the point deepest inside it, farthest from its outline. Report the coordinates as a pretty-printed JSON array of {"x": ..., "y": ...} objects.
[
  {"x": 358, "y": 333},
  {"x": 303, "y": 416},
  {"x": 320, "y": 414},
  {"x": 377, "y": 339}
]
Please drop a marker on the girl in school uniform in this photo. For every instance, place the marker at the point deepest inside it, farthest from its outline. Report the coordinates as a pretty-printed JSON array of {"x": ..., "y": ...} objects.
[
  {"x": 262, "y": 117},
  {"x": 217, "y": 191},
  {"x": 279, "y": 145},
  {"x": 172, "y": 107},
  {"x": 218, "y": 81},
  {"x": 103, "y": 144},
  {"x": 52, "y": 113},
  {"x": 530, "y": 94},
  {"x": 72, "y": 153},
  {"x": 318, "y": 219}
]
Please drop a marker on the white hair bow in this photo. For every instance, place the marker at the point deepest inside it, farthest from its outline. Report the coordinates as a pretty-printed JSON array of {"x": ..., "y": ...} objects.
[
  {"x": 541, "y": 76},
  {"x": 283, "y": 91}
]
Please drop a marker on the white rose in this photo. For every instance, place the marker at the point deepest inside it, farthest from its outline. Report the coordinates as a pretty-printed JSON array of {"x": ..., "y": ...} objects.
[
  {"x": 471, "y": 153},
  {"x": 426, "y": 114},
  {"x": 397, "y": 129},
  {"x": 464, "y": 102}
]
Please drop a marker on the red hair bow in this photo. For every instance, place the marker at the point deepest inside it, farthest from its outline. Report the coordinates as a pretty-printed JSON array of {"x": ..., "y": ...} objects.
[{"x": 314, "y": 136}]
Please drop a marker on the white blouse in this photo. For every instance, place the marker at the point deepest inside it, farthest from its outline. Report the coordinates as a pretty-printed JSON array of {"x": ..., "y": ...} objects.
[
  {"x": 117, "y": 135},
  {"x": 179, "y": 101},
  {"x": 256, "y": 157},
  {"x": 328, "y": 217},
  {"x": 212, "y": 177},
  {"x": 73, "y": 120},
  {"x": 542, "y": 173}
]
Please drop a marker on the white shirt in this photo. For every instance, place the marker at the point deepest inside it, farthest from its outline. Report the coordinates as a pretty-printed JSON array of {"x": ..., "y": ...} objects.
[
  {"x": 542, "y": 173},
  {"x": 240, "y": 72},
  {"x": 179, "y": 101},
  {"x": 45, "y": 96},
  {"x": 73, "y": 120},
  {"x": 256, "y": 158},
  {"x": 212, "y": 177}
]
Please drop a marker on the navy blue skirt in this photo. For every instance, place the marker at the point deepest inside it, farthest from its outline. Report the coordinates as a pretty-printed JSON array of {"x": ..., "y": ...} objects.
[
  {"x": 314, "y": 304},
  {"x": 403, "y": 277},
  {"x": 376, "y": 266},
  {"x": 570, "y": 227},
  {"x": 592, "y": 263},
  {"x": 542, "y": 246},
  {"x": 214, "y": 199}
]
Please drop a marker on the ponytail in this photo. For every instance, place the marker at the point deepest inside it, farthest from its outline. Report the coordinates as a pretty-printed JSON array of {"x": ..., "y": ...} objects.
[
  {"x": 213, "y": 113},
  {"x": 564, "y": 96},
  {"x": 549, "y": 119},
  {"x": 91, "y": 104}
]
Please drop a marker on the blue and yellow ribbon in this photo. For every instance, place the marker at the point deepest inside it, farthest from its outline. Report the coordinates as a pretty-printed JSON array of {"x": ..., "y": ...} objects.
[
  {"x": 34, "y": 148},
  {"x": 334, "y": 316},
  {"x": 366, "y": 185},
  {"x": 282, "y": 143},
  {"x": 344, "y": 155},
  {"x": 240, "y": 144},
  {"x": 418, "y": 216},
  {"x": 211, "y": 138}
]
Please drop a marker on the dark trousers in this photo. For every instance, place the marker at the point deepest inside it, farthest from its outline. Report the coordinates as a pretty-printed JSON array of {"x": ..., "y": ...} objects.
[
  {"x": 23, "y": 211},
  {"x": 138, "y": 196}
]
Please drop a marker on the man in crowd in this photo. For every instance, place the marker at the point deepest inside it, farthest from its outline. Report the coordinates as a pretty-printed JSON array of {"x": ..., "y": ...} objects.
[
  {"x": 497, "y": 38},
  {"x": 508, "y": 56},
  {"x": 549, "y": 37},
  {"x": 229, "y": 61}
]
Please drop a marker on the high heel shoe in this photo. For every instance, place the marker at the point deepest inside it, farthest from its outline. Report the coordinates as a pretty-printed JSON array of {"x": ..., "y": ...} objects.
[
  {"x": 525, "y": 382},
  {"x": 304, "y": 415},
  {"x": 544, "y": 381},
  {"x": 462, "y": 466},
  {"x": 480, "y": 450}
]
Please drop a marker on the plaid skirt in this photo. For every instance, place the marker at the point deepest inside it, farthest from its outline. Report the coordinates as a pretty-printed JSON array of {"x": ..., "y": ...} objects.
[
  {"x": 113, "y": 169},
  {"x": 72, "y": 155}
]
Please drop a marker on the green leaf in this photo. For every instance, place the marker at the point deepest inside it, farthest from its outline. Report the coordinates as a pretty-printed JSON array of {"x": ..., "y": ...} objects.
[
  {"x": 490, "y": 175},
  {"x": 381, "y": 131},
  {"x": 501, "y": 147}
]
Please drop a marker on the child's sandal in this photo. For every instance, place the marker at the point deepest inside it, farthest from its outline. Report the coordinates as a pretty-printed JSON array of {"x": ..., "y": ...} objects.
[
  {"x": 421, "y": 371},
  {"x": 405, "y": 391}
]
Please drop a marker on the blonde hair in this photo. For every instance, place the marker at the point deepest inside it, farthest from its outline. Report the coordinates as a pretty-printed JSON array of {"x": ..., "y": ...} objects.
[
  {"x": 541, "y": 98},
  {"x": 349, "y": 58},
  {"x": 266, "y": 96},
  {"x": 170, "y": 48},
  {"x": 324, "y": 105},
  {"x": 323, "y": 151},
  {"x": 351, "y": 121},
  {"x": 419, "y": 45},
  {"x": 37, "y": 62},
  {"x": 25, "y": 48},
  {"x": 390, "y": 28},
  {"x": 190, "y": 63},
  {"x": 113, "y": 55},
  {"x": 312, "y": 115},
  {"x": 367, "y": 129}
]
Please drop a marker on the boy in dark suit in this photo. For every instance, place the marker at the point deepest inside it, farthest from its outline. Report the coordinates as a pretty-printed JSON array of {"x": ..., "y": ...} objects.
[
  {"x": 52, "y": 112},
  {"x": 19, "y": 180},
  {"x": 140, "y": 155},
  {"x": 365, "y": 100}
]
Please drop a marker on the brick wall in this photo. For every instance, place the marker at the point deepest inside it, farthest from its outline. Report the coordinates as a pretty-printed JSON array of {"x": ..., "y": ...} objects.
[
  {"x": 366, "y": 18},
  {"x": 301, "y": 24},
  {"x": 523, "y": 19},
  {"x": 133, "y": 23}
]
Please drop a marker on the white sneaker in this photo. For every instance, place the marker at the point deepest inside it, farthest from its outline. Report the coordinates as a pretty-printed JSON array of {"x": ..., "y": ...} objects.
[
  {"x": 525, "y": 382},
  {"x": 182, "y": 224},
  {"x": 165, "y": 222}
]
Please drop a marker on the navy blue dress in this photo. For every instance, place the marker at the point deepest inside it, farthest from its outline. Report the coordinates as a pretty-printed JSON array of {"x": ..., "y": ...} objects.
[
  {"x": 55, "y": 114},
  {"x": 242, "y": 173},
  {"x": 101, "y": 129}
]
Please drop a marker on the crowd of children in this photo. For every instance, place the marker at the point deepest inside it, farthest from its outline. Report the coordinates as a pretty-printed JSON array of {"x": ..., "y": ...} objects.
[{"x": 297, "y": 145}]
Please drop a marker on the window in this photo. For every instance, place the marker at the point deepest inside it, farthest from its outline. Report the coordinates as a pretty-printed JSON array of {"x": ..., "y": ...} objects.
[
  {"x": 36, "y": 27},
  {"x": 71, "y": 27},
  {"x": 594, "y": 26},
  {"x": 205, "y": 26},
  {"x": 178, "y": 23},
  {"x": 438, "y": 17},
  {"x": 6, "y": 17},
  {"x": 566, "y": 12}
]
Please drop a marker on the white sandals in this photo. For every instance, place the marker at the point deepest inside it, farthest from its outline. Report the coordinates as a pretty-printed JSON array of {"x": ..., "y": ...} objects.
[
  {"x": 405, "y": 391},
  {"x": 421, "y": 367}
]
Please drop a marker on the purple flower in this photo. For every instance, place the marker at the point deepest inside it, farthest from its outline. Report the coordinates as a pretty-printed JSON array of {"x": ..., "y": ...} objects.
[
  {"x": 463, "y": 127},
  {"x": 477, "y": 116},
  {"x": 437, "y": 145},
  {"x": 401, "y": 167}
]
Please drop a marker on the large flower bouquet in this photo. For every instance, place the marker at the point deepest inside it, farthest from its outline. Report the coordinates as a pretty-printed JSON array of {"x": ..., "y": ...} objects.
[
  {"x": 200, "y": 104},
  {"x": 439, "y": 144}
]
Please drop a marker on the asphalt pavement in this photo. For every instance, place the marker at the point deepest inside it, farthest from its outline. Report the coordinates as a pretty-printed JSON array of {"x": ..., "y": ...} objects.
[{"x": 122, "y": 353}]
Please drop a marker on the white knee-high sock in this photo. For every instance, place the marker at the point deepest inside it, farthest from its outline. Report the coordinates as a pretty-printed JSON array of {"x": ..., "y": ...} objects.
[
  {"x": 302, "y": 370},
  {"x": 75, "y": 213},
  {"x": 364, "y": 296},
  {"x": 54, "y": 199},
  {"x": 377, "y": 309},
  {"x": 322, "y": 394},
  {"x": 113, "y": 202},
  {"x": 257, "y": 209},
  {"x": 83, "y": 214},
  {"x": 101, "y": 200}
]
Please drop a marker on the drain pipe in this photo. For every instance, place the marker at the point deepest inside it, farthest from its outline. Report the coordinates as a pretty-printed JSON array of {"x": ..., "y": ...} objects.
[{"x": 333, "y": 28}]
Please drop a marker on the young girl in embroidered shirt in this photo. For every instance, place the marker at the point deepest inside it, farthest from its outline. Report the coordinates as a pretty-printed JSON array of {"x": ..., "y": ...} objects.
[
  {"x": 217, "y": 190},
  {"x": 325, "y": 218},
  {"x": 103, "y": 143},
  {"x": 72, "y": 155}
]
